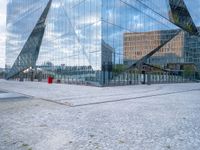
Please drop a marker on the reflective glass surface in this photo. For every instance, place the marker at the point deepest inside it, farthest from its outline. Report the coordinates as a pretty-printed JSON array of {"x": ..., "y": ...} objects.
[{"x": 92, "y": 41}]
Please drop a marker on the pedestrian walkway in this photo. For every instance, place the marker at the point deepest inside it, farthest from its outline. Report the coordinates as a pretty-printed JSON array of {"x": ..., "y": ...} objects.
[
  {"x": 10, "y": 96},
  {"x": 60, "y": 116},
  {"x": 77, "y": 95}
]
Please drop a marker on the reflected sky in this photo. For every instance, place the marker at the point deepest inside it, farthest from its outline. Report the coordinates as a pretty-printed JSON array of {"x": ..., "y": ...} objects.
[
  {"x": 2, "y": 32},
  {"x": 75, "y": 29}
]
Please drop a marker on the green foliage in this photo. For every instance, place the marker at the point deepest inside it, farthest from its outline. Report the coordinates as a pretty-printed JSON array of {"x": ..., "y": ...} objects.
[
  {"x": 189, "y": 71},
  {"x": 176, "y": 18},
  {"x": 189, "y": 27},
  {"x": 25, "y": 145},
  {"x": 52, "y": 76},
  {"x": 118, "y": 68}
]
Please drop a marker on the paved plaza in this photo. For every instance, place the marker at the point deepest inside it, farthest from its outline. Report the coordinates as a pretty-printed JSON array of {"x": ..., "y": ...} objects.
[{"x": 38, "y": 116}]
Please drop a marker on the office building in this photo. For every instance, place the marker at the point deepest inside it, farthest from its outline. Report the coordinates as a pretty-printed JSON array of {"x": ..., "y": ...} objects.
[{"x": 82, "y": 41}]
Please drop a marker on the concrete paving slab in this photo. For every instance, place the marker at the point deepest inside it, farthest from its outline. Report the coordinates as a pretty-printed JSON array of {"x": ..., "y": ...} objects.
[
  {"x": 70, "y": 117},
  {"x": 7, "y": 96},
  {"x": 152, "y": 123},
  {"x": 82, "y": 95},
  {"x": 2, "y": 92}
]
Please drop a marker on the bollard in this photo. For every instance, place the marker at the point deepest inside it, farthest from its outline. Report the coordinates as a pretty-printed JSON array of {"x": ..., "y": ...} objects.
[{"x": 50, "y": 80}]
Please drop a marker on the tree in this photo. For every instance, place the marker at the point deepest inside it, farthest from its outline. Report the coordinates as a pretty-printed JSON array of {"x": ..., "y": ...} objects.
[
  {"x": 189, "y": 71},
  {"x": 118, "y": 68}
]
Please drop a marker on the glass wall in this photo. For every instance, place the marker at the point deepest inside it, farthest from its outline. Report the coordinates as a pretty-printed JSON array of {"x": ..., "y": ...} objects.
[
  {"x": 121, "y": 17},
  {"x": 22, "y": 16},
  {"x": 71, "y": 46},
  {"x": 93, "y": 41}
]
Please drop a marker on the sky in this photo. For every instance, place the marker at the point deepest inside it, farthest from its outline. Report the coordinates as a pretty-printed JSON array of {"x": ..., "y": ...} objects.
[
  {"x": 194, "y": 8},
  {"x": 2, "y": 32}
]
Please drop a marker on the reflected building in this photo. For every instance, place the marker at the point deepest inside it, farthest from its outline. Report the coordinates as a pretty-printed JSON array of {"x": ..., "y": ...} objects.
[
  {"x": 82, "y": 41},
  {"x": 184, "y": 48}
]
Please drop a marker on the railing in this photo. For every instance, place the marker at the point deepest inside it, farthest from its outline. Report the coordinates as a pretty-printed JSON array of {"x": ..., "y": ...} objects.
[{"x": 110, "y": 79}]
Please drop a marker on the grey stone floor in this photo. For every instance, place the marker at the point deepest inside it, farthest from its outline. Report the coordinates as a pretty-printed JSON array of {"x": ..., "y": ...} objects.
[{"x": 69, "y": 117}]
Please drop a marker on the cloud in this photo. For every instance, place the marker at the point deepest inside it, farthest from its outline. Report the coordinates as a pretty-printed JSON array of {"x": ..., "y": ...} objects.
[{"x": 2, "y": 32}]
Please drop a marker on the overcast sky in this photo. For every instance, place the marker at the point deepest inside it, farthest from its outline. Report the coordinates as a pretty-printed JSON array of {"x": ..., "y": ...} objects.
[{"x": 2, "y": 31}]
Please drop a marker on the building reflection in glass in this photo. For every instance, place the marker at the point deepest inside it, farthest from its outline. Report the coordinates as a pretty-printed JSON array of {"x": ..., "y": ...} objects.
[{"x": 89, "y": 40}]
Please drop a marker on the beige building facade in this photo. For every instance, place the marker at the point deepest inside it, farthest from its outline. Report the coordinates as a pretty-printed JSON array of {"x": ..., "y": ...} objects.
[{"x": 137, "y": 45}]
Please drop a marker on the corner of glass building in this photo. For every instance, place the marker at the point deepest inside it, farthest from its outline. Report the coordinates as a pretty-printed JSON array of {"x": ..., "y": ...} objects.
[{"x": 96, "y": 42}]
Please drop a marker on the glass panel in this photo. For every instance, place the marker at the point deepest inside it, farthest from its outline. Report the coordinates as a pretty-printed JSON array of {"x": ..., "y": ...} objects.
[{"x": 95, "y": 41}]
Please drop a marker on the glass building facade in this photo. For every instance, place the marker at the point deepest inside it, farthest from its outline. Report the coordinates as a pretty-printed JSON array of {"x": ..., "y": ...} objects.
[{"x": 84, "y": 40}]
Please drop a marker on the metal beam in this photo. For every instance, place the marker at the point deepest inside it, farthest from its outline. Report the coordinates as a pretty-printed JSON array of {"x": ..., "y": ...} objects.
[
  {"x": 30, "y": 51},
  {"x": 180, "y": 16}
]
